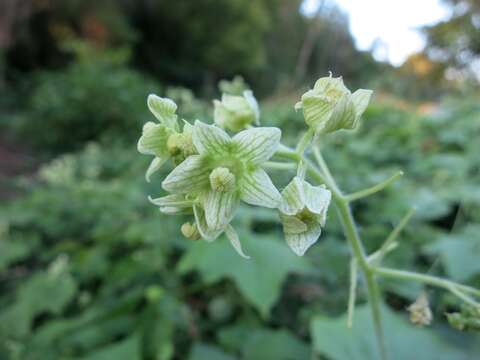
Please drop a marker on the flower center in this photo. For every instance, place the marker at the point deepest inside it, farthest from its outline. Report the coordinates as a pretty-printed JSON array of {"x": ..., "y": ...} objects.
[{"x": 222, "y": 180}]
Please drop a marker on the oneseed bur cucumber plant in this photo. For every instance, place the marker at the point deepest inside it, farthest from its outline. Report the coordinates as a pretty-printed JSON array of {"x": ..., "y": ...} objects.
[{"x": 214, "y": 172}]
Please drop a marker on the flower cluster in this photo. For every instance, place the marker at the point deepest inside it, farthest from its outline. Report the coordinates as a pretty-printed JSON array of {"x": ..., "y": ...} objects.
[{"x": 214, "y": 172}]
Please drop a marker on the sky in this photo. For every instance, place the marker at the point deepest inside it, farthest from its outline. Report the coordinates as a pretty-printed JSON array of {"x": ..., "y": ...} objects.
[{"x": 393, "y": 23}]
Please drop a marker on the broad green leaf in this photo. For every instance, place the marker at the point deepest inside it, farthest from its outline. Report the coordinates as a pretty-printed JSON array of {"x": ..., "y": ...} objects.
[
  {"x": 258, "y": 279},
  {"x": 333, "y": 339},
  {"x": 127, "y": 349},
  {"x": 460, "y": 253},
  {"x": 201, "y": 351},
  {"x": 259, "y": 344}
]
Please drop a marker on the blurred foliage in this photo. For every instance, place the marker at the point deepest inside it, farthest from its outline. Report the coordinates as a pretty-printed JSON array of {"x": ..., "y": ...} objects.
[
  {"x": 91, "y": 270},
  {"x": 456, "y": 41}
]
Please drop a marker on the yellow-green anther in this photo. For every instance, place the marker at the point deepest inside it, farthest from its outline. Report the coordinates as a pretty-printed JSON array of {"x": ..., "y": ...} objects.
[
  {"x": 174, "y": 144},
  {"x": 190, "y": 231},
  {"x": 420, "y": 313},
  {"x": 222, "y": 180}
]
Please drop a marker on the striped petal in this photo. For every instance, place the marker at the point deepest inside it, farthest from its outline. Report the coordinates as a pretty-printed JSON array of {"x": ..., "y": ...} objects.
[
  {"x": 235, "y": 241},
  {"x": 190, "y": 175},
  {"x": 154, "y": 139},
  {"x": 209, "y": 138},
  {"x": 300, "y": 242},
  {"x": 220, "y": 208},
  {"x": 256, "y": 188},
  {"x": 154, "y": 166},
  {"x": 257, "y": 145},
  {"x": 164, "y": 110},
  {"x": 293, "y": 197},
  {"x": 206, "y": 233}
]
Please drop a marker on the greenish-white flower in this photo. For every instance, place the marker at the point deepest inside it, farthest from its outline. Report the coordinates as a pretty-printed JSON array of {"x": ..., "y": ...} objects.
[
  {"x": 303, "y": 213},
  {"x": 225, "y": 172},
  {"x": 330, "y": 106},
  {"x": 236, "y": 113},
  {"x": 164, "y": 139}
]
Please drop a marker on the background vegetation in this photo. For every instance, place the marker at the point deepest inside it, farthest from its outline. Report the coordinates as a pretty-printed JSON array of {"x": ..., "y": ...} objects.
[{"x": 90, "y": 270}]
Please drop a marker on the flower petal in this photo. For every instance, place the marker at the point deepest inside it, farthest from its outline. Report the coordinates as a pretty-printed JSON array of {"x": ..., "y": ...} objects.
[
  {"x": 154, "y": 139},
  {"x": 317, "y": 199},
  {"x": 164, "y": 110},
  {"x": 300, "y": 243},
  {"x": 257, "y": 145},
  {"x": 235, "y": 241},
  {"x": 292, "y": 224},
  {"x": 293, "y": 197},
  {"x": 344, "y": 116},
  {"x": 256, "y": 188},
  {"x": 360, "y": 99},
  {"x": 248, "y": 95},
  {"x": 209, "y": 138},
  {"x": 154, "y": 166},
  {"x": 220, "y": 208},
  {"x": 190, "y": 175},
  {"x": 206, "y": 233},
  {"x": 172, "y": 204}
]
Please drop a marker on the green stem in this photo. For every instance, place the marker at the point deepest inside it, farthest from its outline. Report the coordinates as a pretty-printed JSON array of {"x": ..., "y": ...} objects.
[
  {"x": 426, "y": 279},
  {"x": 279, "y": 165},
  {"x": 358, "y": 250},
  {"x": 374, "y": 189}
]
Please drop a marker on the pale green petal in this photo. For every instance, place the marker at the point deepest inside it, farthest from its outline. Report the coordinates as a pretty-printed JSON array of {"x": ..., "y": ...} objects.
[
  {"x": 210, "y": 139},
  {"x": 257, "y": 145},
  {"x": 154, "y": 166},
  {"x": 172, "y": 204},
  {"x": 330, "y": 85},
  {"x": 206, "y": 233},
  {"x": 317, "y": 198},
  {"x": 300, "y": 243},
  {"x": 360, "y": 99},
  {"x": 154, "y": 139},
  {"x": 256, "y": 188},
  {"x": 293, "y": 197},
  {"x": 220, "y": 208},
  {"x": 292, "y": 224},
  {"x": 248, "y": 95},
  {"x": 190, "y": 175},
  {"x": 164, "y": 110},
  {"x": 235, "y": 241},
  {"x": 317, "y": 109},
  {"x": 344, "y": 116}
]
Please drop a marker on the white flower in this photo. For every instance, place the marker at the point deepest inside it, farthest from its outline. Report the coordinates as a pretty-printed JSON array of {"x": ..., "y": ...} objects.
[
  {"x": 236, "y": 113},
  {"x": 303, "y": 213},
  {"x": 330, "y": 106}
]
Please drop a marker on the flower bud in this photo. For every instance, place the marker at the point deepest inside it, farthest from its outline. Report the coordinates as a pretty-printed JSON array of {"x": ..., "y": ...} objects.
[
  {"x": 236, "y": 113},
  {"x": 222, "y": 180},
  {"x": 190, "y": 231},
  {"x": 420, "y": 313},
  {"x": 174, "y": 144},
  {"x": 330, "y": 106}
]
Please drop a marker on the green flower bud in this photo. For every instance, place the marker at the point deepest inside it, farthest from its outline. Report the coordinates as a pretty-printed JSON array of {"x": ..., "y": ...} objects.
[
  {"x": 222, "y": 180},
  {"x": 236, "y": 113},
  {"x": 190, "y": 231},
  {"x": 420, "y": 313},
  {"x": 174, "y": 144},
  {"x": 330, "y": 106}
]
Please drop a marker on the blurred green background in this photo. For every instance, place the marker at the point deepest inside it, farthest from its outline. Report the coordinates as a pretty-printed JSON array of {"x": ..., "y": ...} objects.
[{"x": 89, "y": 269}]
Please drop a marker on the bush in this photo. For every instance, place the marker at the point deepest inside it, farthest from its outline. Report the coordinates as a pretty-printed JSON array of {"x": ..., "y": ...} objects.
[{"x": 86, "y": 101}]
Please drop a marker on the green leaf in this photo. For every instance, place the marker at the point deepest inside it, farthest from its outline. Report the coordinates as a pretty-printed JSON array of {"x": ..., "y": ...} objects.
[
  {"x": 333, "y": 339},
  {"x": 460, "y": 253},
  {"x": 128, "y": 349},
  {"x": 202, "y": 351},
  {"x": 258, "y": 279},
  {"x": 260, "y": 344}
]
